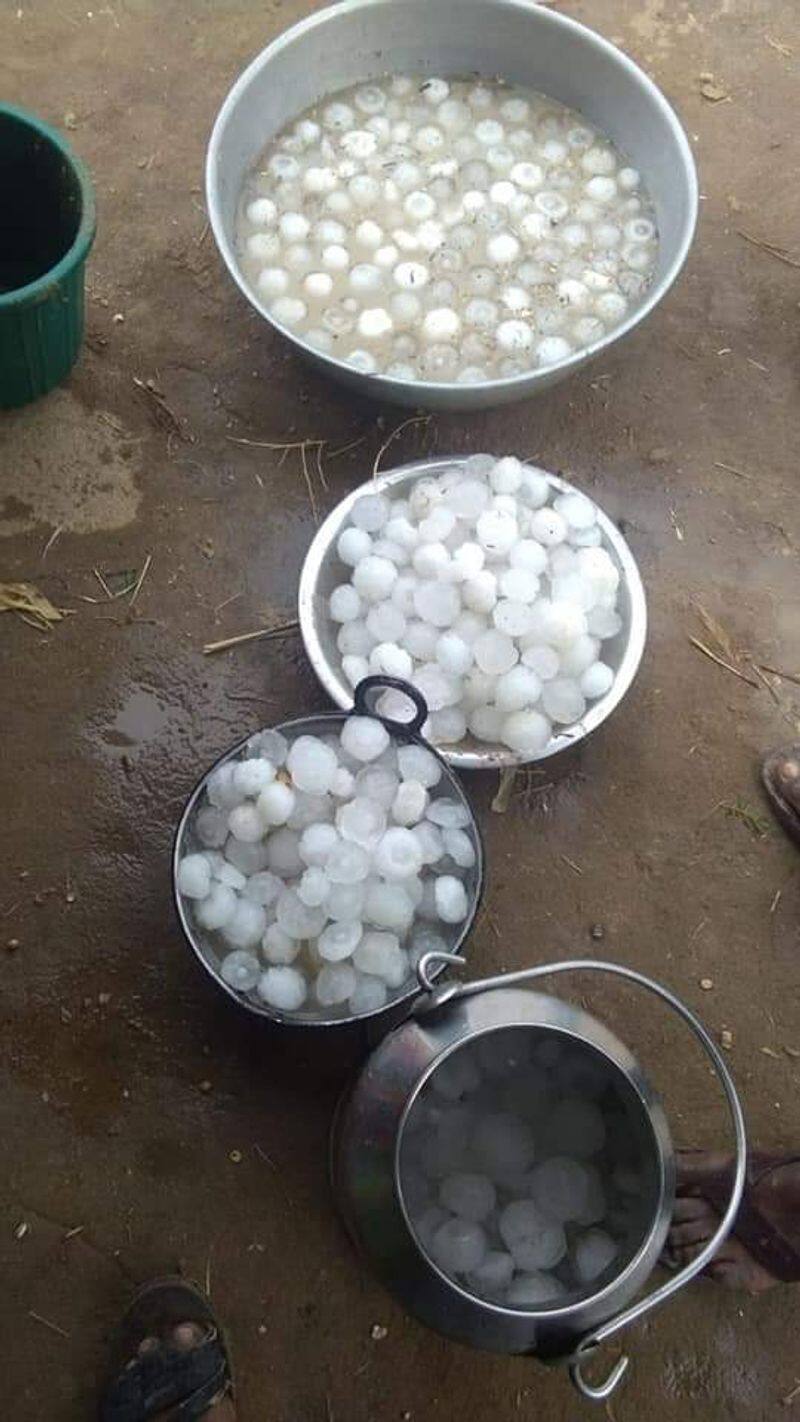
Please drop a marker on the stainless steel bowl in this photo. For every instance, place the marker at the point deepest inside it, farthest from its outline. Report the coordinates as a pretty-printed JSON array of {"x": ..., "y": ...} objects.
[
  {"x": 322, "y": 572},
  {"x": 205, "y": 945},
  {"x": 526, "y": 44}
]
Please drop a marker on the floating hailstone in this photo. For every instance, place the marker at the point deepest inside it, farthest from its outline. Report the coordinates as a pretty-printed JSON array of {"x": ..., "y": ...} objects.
[{"x": 492, "y": 212}]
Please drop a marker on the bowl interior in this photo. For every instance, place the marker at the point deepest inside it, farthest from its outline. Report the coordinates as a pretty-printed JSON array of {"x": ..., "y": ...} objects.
[
  {"x": 630, "y": 1145},
  {"x": 209, "y": 946},
  {"x": 323, "y": 571},
  {"x": 526, "y": 44}
]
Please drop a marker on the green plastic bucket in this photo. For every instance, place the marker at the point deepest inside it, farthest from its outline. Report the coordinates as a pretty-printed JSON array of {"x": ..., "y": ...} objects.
[{"x": 47, "y": 227}]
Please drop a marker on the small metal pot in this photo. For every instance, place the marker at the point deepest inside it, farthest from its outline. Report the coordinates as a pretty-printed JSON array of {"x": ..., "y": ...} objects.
[
  {"x": 405, "y": 732},
  {"x": 368, "y": 1137}
]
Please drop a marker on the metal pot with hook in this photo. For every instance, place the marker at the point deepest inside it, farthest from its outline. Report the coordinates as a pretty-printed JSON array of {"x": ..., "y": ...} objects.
[
  {"x": 387, "y": 699},
  {"x": 373, "y": 1135}
]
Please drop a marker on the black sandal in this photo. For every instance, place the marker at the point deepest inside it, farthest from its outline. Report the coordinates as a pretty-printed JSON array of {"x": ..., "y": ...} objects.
[
  {"x": 773, "y": 779},
  {"x": 181, "y": 1383}
]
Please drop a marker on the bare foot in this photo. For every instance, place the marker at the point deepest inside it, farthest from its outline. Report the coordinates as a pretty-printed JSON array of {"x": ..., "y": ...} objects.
[
  {"x": 693, "y": 1223},
  {"x": 780, "y": 773},
  {"x": 775, "y": 1195}
]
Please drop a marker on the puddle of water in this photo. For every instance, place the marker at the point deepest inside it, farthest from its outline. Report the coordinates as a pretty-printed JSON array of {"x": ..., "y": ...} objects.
[{"x": 141, "y": 718}]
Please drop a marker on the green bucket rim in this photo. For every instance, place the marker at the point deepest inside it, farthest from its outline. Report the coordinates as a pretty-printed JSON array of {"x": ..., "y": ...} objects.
[{"x": 84, "y": 237}]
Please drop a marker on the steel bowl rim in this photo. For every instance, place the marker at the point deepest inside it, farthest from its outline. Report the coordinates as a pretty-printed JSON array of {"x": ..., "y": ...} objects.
[
  {"x": 506, "y": 385},
  {"x": 493, "y": 758},
  {"x": 265, "y": 1011}
]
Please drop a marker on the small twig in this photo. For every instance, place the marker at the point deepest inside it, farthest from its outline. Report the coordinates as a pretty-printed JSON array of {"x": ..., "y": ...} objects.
[
  {"x": 71, "y": 1233},
  {"x": 138, "y": 584},
  {"x": 54, "y": 1327},
  {"x": 271, "y": 1163},
  {"x": 776, "y": 900},
  {"x": 309, "y": 485},
  {"x": 779, "y": 253},
  {"x": 51, "y": 540},
  {"x": 285, "y": 445},
  {"x": 571, "y": 863},
  {"x": 104, "y": 585},
  {"x": 227, "y": 602},
  {"x": 779, "y": 46},
  {"x": 208, "y": 1275},
  {"x": 784, "y": 675},
  {"x": 502, "y": 798},
  {"x": 729, "y": 469},
  {"x": 718, "y": 634},
  {"x": 320, "y": 471},
  {"x": 791, "y": 1396},
  {"x": 701, "y": 647},
  {"x": 345, "y": 448},
  {"x": 412, "y": 420},
  {"x": 32, "y": 622},
  {"x": 768, "y": 684},
  {"x": 262, "y": 632}
]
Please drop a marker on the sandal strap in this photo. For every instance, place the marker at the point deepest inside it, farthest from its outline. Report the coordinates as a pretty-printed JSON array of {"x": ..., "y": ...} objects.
[
  {"x": 203, "y": 1399},
  {"x": 182, "y": 1383}
]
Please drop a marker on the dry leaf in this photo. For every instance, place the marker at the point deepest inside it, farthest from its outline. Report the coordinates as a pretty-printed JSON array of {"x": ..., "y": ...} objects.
[
  {"x": 30, "y": 604},
  {"x": 717, "y": 633}
]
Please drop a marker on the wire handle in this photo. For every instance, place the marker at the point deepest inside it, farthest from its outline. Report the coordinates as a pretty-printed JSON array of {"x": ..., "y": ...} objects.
[
  {"x": 366, "y": 691},
  {"x": 450, "y": 992}
]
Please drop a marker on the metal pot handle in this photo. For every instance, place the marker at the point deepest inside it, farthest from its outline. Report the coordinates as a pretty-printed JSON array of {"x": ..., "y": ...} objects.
[
  {"x": 588, "y": 1345},
  {"x": 371, "y": 685}
]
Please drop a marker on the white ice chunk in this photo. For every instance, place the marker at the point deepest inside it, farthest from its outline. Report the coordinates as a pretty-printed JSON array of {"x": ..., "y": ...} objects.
[
  {"x": 194, "y": 876},
  {"x": 594, "y": 1252},
  {"x": 560, "y": 1187},
  {"x": 530, "y": 1290},
  {"x": 470, "y": 1196},
  {"x": 283, "y": 988},
  {"x": 312, "y": 765},
  {"x": 334, "y": 985},
  {"x": 535, "y": 1241},
  {"x": 240, "y": 970},
  {"x": 459, "y": 1246},
  {"x": 364, "y": 738},
  {"x": 503, "y": 1142}
]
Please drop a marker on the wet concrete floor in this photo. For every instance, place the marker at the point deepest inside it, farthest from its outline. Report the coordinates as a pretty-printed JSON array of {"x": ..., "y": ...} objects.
[{"x": 146, "y": 1126}]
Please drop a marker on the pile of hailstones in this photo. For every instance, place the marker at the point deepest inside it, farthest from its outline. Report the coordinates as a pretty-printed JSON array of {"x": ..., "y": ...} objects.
[
  {"x": 327, "y": 867},
  {"x": 447, "y": 230},
  {"x": 488, "y": 596},
  {"x": 517, "y": 1171}
]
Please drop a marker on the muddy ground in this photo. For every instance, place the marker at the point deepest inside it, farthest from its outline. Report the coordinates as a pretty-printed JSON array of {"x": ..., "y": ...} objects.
[{"x": 146, "y": 1126}]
